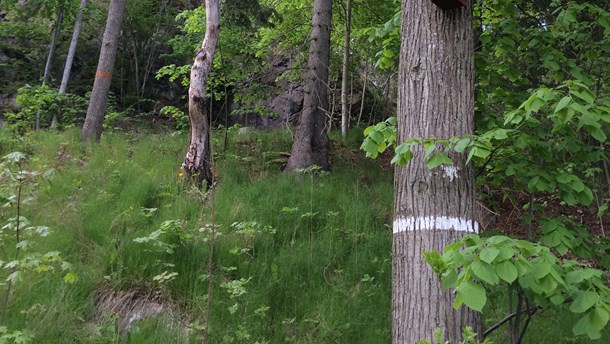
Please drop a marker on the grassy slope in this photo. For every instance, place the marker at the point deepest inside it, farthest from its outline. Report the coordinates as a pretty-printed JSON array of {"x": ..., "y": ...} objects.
[{"x": 321, "y": 273}]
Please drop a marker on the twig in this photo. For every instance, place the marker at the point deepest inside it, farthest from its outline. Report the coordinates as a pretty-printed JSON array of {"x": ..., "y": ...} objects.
[{"x": 506, "y": 319}]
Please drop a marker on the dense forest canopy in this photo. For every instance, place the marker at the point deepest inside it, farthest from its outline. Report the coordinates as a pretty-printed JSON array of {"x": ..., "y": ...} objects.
[{"x": 276, "y": 227}]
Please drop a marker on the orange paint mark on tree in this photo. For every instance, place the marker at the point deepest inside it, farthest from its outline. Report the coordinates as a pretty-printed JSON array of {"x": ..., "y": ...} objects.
[{"x": 103, "y": 74}]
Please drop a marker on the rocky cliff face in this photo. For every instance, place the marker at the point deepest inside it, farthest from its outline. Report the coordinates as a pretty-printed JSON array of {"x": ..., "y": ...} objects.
[
  {"x": 8, "y": 103},
  {"x": 282, "y": 107}
]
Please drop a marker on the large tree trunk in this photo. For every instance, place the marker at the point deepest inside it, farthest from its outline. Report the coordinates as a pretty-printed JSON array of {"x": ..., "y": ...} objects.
[
  {"x": 71, "y": 52},
  {"x": 345, "y": 110},
  {"x": 198, "y": 160},
  {"x": 92, "y": 129},
  {"x": 310, "y": 145},
  {"x": 47, "y": 68},
  {"x": 432, "y": 207}
]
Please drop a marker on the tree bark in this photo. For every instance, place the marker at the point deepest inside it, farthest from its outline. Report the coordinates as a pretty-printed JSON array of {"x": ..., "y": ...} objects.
[
  {"x": 71, "y": 52},
  {"x": 310, "y": 145},
  {"x": 366, "y": 70},
  {"x": 197, "y": 163},
  {"x": 345, "y": 110},
  {"x": 92, "y": 129},
  {"x": 432, "y": 207}
]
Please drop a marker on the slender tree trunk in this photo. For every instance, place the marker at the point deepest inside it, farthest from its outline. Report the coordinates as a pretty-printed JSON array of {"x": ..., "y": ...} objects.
[
  {"x": 47, "y": 68},
  {"x": 71, "y": 52},
  {"x": 366, "y": 75},
  {"x": 310, "y": 145},
  {"x": 92, "y": 129},
  {"x": 197, "y": 163},
  {"x": 345, "y": 110},
  {"x": 432, "y": 207}
]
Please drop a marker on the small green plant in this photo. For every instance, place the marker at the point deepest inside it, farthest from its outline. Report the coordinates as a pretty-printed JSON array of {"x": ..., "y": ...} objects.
[
  {"x": 18, "y": 238},
  {"x": 22, "y": 337},
  {"x": 182, "y": 119}
]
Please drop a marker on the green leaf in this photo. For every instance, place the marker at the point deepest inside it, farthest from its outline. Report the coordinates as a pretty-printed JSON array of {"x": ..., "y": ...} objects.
[
  {"x": 585, "y": 95},
  {"x": 71, "y": 278},
  {"x": 584, "y": 301},
  {"x": 438, "y": 159},
  {"x": 370, "y": 148},
  {"x": 532, "y": 183},
  {"x": 598, "y": 134},
  {"x": 473, "y": 295},
  {"x": 449, "y": 279},
  {"x": 485, "y": 272},
  {"x": 557, "y": 299},
  {"x": 506, "y": 252},
  {"x": 565, "y": 101},
  {"x": 540, "y": 269},
  {"x": 599, "y": 318},
  {"x": 488, "y": 254},
  {"x": 376, "y": 136},
  {"x": 461, "y": 145},
  {"x": 507, "y": 271}
]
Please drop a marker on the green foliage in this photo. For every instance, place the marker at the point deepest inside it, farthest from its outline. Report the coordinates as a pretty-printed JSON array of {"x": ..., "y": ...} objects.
[
  {"x": 46, "y": 101},
  {"x": 335, "y": 249},
  {"x": 182, "y": 119},
  {"x": 471, "y": 265},
  {"x": 469, "y": 337},
  {"x": 389, "y": 34},
  {"x": 17, "y": 337},
  {"x": 19, "y": 239},
  {"x": 21, "y": 44}
]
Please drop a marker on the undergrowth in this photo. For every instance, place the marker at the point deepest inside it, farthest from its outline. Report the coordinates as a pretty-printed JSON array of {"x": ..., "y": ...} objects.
[{"x": 300, "y": 258}]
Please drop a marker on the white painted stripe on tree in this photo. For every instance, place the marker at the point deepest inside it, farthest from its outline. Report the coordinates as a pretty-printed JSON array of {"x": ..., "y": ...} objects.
[{"x": 403, "y": 224}]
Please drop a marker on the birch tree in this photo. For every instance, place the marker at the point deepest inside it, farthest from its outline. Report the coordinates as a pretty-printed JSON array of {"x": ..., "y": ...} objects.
[{"x": 198, "y": 160}]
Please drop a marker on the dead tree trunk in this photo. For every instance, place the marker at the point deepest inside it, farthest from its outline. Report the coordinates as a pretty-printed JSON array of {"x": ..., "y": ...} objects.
[
  {"x": 432, "y": 207},
  {"x": 310, "y": 145},
  {"x": 92, "y": 129},
  {"x": 197, "y": 164}
]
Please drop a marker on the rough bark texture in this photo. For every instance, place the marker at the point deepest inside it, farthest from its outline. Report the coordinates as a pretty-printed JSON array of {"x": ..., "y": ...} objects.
[
  {"x": 345, "y": 113},
  {"x": 310, "y": 145},
  {"x": 197, "y": 163},
  {"x": 92, "y": 129},
  {"x": 432, "y": 207}
]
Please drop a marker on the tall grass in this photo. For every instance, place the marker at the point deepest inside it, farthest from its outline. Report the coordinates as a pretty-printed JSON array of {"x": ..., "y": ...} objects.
[{"x": 303, "y": 258}]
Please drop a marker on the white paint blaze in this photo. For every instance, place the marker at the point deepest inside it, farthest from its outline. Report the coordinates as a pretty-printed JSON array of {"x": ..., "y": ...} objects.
[
  {"x": 450, "y": 172},
  {"x": 402, "y": 224}
]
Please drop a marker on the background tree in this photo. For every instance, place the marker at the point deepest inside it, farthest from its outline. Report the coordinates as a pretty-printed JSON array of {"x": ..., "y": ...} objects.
[
  {"x": 345, "y": 107},
  {"x": 432, "y": 207},
  {"x": 92, "y": 129},
  {"x": 71, "y": 52},
  {"x": 310, "y": 145},
  {"x": 47, "y": 68},
  {"x": 197, "y": 163}
]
